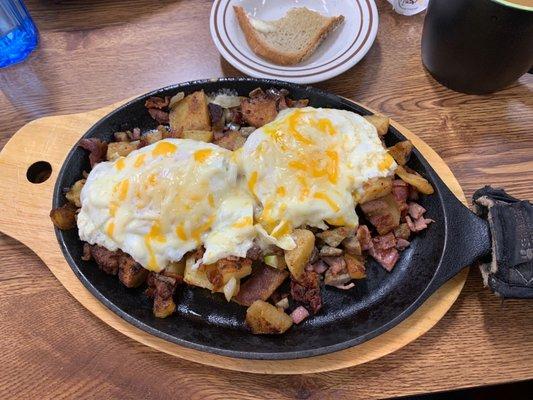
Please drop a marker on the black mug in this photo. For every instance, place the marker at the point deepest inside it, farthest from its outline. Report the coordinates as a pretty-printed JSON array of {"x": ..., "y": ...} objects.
[{"x": 478, "y": 46}]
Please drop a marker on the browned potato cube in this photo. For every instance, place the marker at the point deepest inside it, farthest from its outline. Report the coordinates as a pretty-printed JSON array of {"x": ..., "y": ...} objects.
[
  {"x": 380, "y": 122},
  {"x": 175, "y": 269},
  {"x": 259, "y": 111},
  {"x": 413, "y": 179},
  {"x": 352, "y": 246},
  {"x": 152, "y": 136},
  {"x": 201, "y": 136},
  {"x": 120, "y": 149},
  {"x": 73, "y": 195},
  {"x": 234, "y": 268},
  {"x": 231, "y": 141},
  {"x": 375, "y": 188},
  {"x": 355, "y": 266},
  {"x": 298, "y": 257},
  {"x": 191, "y": 114},
  {"x": 401, "y": 151},
  {"x": 163, "y": 307},
  {"x": 131, "y": 273},
  {"x": 196, "y": 276},
  {"x": 64, "y": 217},
  {"x": 264, "y": 318},
  {"x": 333, "y": 237}
]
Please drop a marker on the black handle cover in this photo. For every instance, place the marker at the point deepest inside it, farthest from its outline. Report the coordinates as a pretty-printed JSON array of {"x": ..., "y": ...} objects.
[{"x": 468, "y": 239}]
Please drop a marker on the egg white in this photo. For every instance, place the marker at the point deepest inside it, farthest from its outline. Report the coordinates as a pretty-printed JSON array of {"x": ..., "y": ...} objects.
[
  {"x": 165, "y": 200},
  {"x": 305, "y": 167}
]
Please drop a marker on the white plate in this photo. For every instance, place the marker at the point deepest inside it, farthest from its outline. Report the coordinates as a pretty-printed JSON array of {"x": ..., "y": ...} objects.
[{"x": 344, "y": 48}]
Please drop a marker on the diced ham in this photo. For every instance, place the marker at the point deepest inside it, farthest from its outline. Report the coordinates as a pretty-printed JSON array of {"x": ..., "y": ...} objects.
[
  {"x": 337, "y": 265},
  {"x": 374, "y": 206},
  {"x": 387, "y": 258},
  {"x": 384, "y": 242},
  {"x": 383, "y": 213},
  {"x": 157, "y": 102},
  {"x": 97, "y": 149},
  {"x": 254, "y": 253},
  {"x": 363, "y": 235},
  {"x": 261, "y": 284},
  {"x": 135, "y": 134},
  {"x": 402, "y": 244},
  {"x": 346, "y": 287},
  {"x": 415, "y": 210},
  {"x": 306, "y": 290},
  {"x": 418, "y": 224},
  {"x": 400, "y": 191},
  {"x": 299, "y": 314},
  {"x": 216, "y": 114},
  {"x": 320, "y": 267},
  {"x": 159, "y": 115}
]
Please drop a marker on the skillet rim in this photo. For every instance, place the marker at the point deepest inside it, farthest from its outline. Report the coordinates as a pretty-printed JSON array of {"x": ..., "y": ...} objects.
[{"x": 441, "y": 191}]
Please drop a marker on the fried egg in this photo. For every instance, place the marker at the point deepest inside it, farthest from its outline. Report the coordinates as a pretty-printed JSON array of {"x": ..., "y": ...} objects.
[
  {"x": 307, "y": 166},
  {"x": 167, "y": 199}
]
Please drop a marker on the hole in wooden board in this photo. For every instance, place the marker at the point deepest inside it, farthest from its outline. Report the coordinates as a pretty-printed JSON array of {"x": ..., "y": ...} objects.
[{"x": 39, "y": 172}]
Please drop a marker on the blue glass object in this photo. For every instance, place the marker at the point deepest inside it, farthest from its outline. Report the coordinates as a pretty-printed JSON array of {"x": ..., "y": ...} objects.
[{"x": 18, "y": 34}]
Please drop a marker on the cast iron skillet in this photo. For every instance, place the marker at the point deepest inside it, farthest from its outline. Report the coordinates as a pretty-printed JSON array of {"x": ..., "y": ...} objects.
[{"x": 206, "y": 322}]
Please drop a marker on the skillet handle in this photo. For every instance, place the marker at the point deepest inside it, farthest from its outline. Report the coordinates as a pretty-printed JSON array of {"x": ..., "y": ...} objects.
[{"x": 467, "y": 241}]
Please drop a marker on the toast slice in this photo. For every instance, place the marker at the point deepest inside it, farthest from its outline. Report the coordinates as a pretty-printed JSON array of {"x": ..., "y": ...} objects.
[{"x": 288, "y": 40}]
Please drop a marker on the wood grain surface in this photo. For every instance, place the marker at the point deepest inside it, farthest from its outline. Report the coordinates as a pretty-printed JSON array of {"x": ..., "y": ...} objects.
[{"x": 96, "y": 52}]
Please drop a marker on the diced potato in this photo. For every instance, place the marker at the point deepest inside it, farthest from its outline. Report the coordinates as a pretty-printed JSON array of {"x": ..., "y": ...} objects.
[
  {"x": 401, "y": 151},
  {"x": 412, "y": 178},
  {"x": 352, "y": 246},
  {"x": 283, "y": 303},
  {"x": 234, "y": 269},
  {"x": 259, "y": 111},
  {"x": 328, "y": 251},
  {"x": 381, "y": 123},
  {"x": 175, "y": 269},
  {"x": 121, "y": 136},
  {"x": 191, "y": 113},
  {"x": 73, "y": 195},
  {"x": 232, "y": 141},
  {"x": 152, "y": 136},
  {"x": 163, "y": 307},
  {"x": 264, "y": 318},
  {"x": 196, "y": 276},
  {"x": 64, "y": 217},
  {"x": 333, "y": 237},
  {"x": 375, "y": 188},
  {"x": 120, "y": 149},
  {"x": 298, "y": 257},
  {"x": 275, "y": 261},
  {"x": 355, "y": 266},
  {"x": 201, "y": 136}
]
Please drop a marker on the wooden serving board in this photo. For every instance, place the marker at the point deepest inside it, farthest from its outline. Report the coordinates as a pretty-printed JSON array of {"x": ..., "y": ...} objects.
[{"x": 25, "y": 216}]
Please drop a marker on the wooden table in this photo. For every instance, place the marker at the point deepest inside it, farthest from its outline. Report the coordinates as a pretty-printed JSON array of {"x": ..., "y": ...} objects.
[{"x": 97, "y": 52}]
